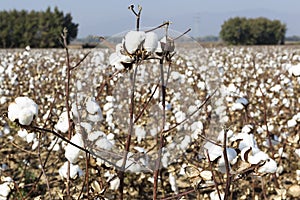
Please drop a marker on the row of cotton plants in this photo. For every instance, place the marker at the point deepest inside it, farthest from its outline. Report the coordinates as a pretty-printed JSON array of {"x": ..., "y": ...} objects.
[{"x": 249, "y": 94}]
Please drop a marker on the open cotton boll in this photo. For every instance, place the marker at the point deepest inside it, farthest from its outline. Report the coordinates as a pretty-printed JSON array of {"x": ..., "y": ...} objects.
[
  {"x": 71, "y": 152},
  {"x": 22, "y": 133},
  {"x": 237, "y": 106},
  {"x": 94, "y": 110},
  {"x": 92, "y": 106},
  {"x": 151, "y": 42},
  {"x": 172, "y": 181},
  {"x": 22, "y": 109},
  {"x": 74, "y": 171},
  {"x": 104, "y": 143},
  {"x": 214, "y": 151},
  {"x": 294, "y": 70},
  {"x": 231, "y": 155},
  {"x": 63, "y": 123},
  {"x": 133, "y": 40},
  {"x": 215, "y": 196},
  {"x": 30, "y": 137},
  {"x": 140, "y": 133},
  {"x": 253, "y": 155},
  {"x": 270, "y": 166},
  {"x": 291, "y": 123},
  {"x": 185, "y": 143},
  {"x": 244, "y": 101},
  {"x": 113, "y": 184},
  {"x": 5, "y": 189}
]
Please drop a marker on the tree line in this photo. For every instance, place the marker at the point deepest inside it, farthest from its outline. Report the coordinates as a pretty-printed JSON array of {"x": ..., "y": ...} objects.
[
  {"x": 38, "y": 29},
  {"x": 253, "y": 31}
]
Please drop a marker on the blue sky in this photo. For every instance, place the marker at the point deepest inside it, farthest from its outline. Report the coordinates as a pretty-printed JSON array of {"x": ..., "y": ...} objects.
[{"x": 205, "y": 17}]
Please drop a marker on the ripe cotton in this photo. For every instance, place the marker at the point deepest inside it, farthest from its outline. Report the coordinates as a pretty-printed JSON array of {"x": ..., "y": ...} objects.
[
  {"x": 22, "y": 109},
  {"x": 71, "y": 152},
  {"x": 133, "y": 40},
  {"x": 151, "y": 42}
]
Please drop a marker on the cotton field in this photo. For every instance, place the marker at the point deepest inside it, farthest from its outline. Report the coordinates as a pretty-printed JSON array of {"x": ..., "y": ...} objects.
[{"x": 240, "y": 100}]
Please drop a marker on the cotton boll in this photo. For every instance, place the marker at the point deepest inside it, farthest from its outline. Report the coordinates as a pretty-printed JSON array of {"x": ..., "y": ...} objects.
[
  {"x": 96, "y": 117},
  {"x": 140, "y": 133},
  {"x": 237, "y": 106},
  {"x": 201, "y": 85},
  {"x": 291, "y": 123},
  {"x": 35, "y": 144},
  {"x": 104, "y": 143},
  {"x": 5, "y": 189},
  {"x": 295, "y": 70},
  {"x": 244, "y": 101},
  {"x": 74, "y": 171},
  {"x": 180, "y": 116},
  {"x": 92, "y": 106},
  {"x": 133, "y": 40},
  {"x": 151, "y": 42},
  {"x": 213, "y": 150},
  {"x": 23, "y": 109},
  {"x": 22, "y": 133},
  {"x": 231, "y": 155},
  {"x": 270, "y": 166},
  {"x": 113, "y": 183},
  {"x": 185, "y": 143},
  {"x": 115, "y": 60},
  {"x": 87, "y": 126},
  {"x": 63, "y": 123},
  {"x": 172, "y": 181},
  {"x": 71, "y": 152},
  {"x": 247, "y": 128},
  {"x": 30, "y": 137},
  {"x": 214, "y": 195}
]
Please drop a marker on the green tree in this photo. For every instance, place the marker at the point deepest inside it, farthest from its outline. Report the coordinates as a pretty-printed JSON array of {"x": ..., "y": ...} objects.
[
  {"x": 243, "y": 31},
  {"x": 35, "y": 28}
]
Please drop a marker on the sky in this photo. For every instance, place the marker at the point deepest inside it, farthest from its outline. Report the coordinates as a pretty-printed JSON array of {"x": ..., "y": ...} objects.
[{"x": 204, "y": 17}]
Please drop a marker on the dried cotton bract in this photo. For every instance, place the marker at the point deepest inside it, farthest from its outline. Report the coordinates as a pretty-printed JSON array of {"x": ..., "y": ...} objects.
[{"x": 23, "y": 109}]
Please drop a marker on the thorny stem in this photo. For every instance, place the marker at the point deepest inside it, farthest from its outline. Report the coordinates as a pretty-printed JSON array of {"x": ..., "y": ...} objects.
[{"x": 130, "y": 131}]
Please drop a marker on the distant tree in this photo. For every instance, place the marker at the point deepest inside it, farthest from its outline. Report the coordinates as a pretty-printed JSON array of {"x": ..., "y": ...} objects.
[
  {"x": 243, "y": 31},
  {"x": 36, "y": 28}
]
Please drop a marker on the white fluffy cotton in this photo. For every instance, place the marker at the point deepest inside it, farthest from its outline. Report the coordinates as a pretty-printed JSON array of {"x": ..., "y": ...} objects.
[
  {"x": 23, "y": 109},
  {"x": 71, "y": 152},
  {"x": 151, "y": 42},
  {"x": 133, "y": 40},
  {"x": 74, "y": 171},
  {"x": 63, "y": 123}
]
